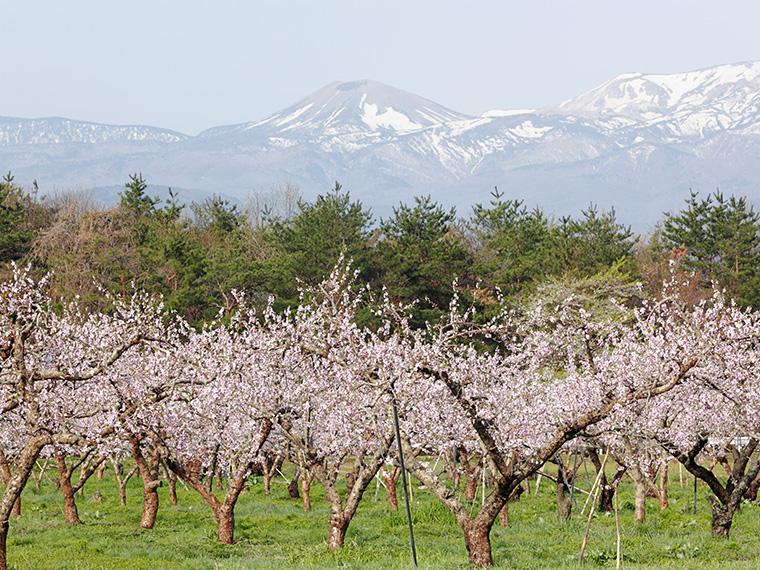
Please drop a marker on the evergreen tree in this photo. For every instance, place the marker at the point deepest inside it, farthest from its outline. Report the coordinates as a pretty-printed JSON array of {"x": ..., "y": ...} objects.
[
  {"x": 313, "y": 240},
  {"x": 593, "y": 243},
  {"x": 15, "y": 233},
  {"x": 420, "y": 256},
  {"x": 135, "y": 200},
  {"x": 721, "y": 240},
  {"x": 512, "y": 245}
]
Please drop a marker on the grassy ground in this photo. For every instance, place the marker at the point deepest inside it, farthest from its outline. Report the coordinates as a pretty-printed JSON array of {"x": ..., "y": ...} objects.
[{"x": 273, "y": 531}]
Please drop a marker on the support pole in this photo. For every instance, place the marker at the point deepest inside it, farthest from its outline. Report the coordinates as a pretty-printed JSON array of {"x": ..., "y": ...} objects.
[{"x": 403, "y": 480}]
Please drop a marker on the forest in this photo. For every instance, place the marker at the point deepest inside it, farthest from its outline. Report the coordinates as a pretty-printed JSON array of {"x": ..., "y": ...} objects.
[{"x": 222, "y": 343}]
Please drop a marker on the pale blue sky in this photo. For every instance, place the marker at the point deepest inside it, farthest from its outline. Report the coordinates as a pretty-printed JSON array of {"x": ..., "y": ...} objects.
[{"x": 190, "y": 65}]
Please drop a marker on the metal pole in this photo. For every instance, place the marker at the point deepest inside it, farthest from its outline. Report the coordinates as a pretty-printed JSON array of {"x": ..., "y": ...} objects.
[
  {"x": 695, "y": 494},
  {"x": 403, "y": 480}
]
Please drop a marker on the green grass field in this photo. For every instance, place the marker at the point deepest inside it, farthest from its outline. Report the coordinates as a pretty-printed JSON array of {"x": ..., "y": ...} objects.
[{"x": 274, "y": 532}]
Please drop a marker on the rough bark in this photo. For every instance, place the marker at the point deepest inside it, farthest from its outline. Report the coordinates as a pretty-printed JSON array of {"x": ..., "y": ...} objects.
[
  {"x": 606, "y": 491},
  {"x": 171, "y": 477},
  {"x": 640, "y": 488},
  {"x": 722, "y": 516},
  {"x": 390, "y": 478},
  {"x": 478, "y": 543},
  {"x": 504, "y": 515},
  {"x": 751, "y": 492},
  {"x": 350, "y": 482},
  {"x": 64, "y": 478},
  {"x": 472, "y": 474},
  {"x": 149, "y": 474},
  {"x": 306, "y": 492},
  {"x": 564, "y": 504},
  {"x": 22, "y": 469},
  {"x": 5, "y": 474},
  {"x": 662, "y": 495}
]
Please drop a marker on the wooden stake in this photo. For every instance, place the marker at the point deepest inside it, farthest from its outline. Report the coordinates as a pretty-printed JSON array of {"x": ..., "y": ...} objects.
[{"x": 619, "y": 561}]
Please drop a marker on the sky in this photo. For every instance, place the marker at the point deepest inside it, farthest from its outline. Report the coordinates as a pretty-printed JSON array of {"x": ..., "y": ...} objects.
[{"x": 191, "y": 65}]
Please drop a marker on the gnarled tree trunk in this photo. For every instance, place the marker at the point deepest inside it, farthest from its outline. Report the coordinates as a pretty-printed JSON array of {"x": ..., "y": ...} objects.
[
  {"x": 70, "y": 512},
  {"x": 149, "y": 474},
  {"x": 640, "y": 488},
  {"x": 390, "y": 478},
  {"x": 5, "y": 473}
]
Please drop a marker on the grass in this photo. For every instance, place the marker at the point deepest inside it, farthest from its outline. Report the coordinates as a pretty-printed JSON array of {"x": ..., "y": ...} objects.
[{"x": 274, "y": 532}]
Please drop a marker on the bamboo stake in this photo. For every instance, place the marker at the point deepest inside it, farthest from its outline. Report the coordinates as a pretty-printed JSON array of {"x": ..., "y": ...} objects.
[
  {"x": 590, "y": 515},
  {"x": 619, "y": 561},
  {"x": 597, "y": 480}
]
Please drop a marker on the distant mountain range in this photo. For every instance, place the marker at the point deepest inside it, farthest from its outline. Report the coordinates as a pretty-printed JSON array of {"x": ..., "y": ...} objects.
[{"x": 637, "y": 143}]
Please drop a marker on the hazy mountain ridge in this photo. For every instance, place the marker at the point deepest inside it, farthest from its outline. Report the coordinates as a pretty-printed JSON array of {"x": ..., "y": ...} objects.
[
  {"x": 637, "y": 142},
  {"x": 57, "y": 130}
]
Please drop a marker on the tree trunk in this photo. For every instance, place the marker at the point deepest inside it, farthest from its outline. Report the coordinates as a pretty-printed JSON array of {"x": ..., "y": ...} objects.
[
  {"x": 171, "y": 477},
  {"x": 70, "y": 512},
  {"x": 751, "y": 492},
  {"x": 390, "y": 488},
  {"x": 472, "y": 474},
  {"x": 722, "y": 516},
  {"x": 3, "y": 541},
  {"x": 564, "y": 504},
  {"x": 271, "y": 466},
  {"x": 293, "y": 489},
  {"x": 225, "y": 523},
  {"x": 662, "y": 495},
  {"x": 606, "y": 491},
  {"x": 149, "y": 474},
  {"x": 305, "y": 492},
  {"x": 478, "y": 543},
  {"x": 504, "y": 515},
  {"x": 22, "y": 470},
  {"x": 336, "y": 532},
  {"x": 172, "y": 489},
  {"x": 5, "y": 474},
  {"x": 365, "y": 472},
  {"x": 640, "y": 488},
  {"x": 476, "y": 530},
  {"x": 224, "y": 511}
]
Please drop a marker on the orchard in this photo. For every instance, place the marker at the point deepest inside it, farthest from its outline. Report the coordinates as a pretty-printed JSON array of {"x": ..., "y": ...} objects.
[{"x": 486, "y": 402}]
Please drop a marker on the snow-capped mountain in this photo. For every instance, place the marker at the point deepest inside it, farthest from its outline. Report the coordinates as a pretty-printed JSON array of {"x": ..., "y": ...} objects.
[
  {"x": 637, "y": 143},
  {"x": 365, "y": 107},
  {"x": 56, "y": 130},
  {"x": 720, "y": 98}
]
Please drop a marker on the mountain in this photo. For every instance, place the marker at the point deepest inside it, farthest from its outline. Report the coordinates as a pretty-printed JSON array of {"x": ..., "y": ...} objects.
[
  {"x": 637, "y": 143},
  {"x": 56, "y": 130},
  {"x": 364, "y": 108}
]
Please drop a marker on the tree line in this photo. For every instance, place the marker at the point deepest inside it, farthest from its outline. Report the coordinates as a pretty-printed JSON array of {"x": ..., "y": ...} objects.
[{"x": 195, "y": 254}]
